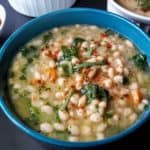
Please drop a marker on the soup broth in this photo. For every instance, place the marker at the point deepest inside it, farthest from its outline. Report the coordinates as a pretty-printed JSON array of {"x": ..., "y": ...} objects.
[{"x": 79, "y": 83}]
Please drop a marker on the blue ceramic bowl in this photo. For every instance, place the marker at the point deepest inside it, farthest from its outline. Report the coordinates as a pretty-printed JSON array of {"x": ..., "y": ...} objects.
[{"x": 61, "y": 18}]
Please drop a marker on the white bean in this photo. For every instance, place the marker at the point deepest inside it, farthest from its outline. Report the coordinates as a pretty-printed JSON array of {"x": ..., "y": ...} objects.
[
  {"x": 52, "y": 63},
  {"x": 107, "y": 83},
  {"x": 86, "y": 130},
  {"x": 37, "y": 103},
  {"x": 80, "y": 113},
  {"x": 92, "y": 59},
  {"x": 145, "y": 101},
  {"x": 101, "y": 111},
  {"x": 46, "y": 127},
  {"x": 118, "y": 79},
  {"x": 118, "y": 62},
  {"x": 59, "y": 95},
  {"x": 74, "y": 129},
  {"x": 99, "y": 58},
  {"x": 17, "y": 86},
  {"x": 102, "y": 104},
  {"x": 82, "y": 101},
  {"x": 61, "y": 81},
  {"x": 63, "y": 115},
  {"x": 73, "y": 138},
  {"x": 126, "y": 71},
  {"x": 37, "y": 75},
  {"x": 114, "y": 47},
  {"x": 85, "y": 44},
  {"x": 60, "y": 71},
  {"x": 92, "y": 73},
  {"x": 44, "y": 94},
  {"x": 121, "y": 103},
  {"x": 141, "y": 107},
  {"x": 111, "y": 72},
  {"x": 121, "y": 47},
  {"x": 95, "y": 102},
  {"x": 101, "y": 127},
  {"x": 78, "y": 86},
  {"x": 75, "y": 60},
  {"x": 95, "y": 117},
  {"x": 55, "y": 30},
  {"x": 47, "y": 109},
  {"x": 100, "y": 136},
  {"x": 127, "y": 112},
  {"x": 129, "y": 43},
  {"x": 59, "y": 127},
  {"x": 74, "y": 99},
  {"x": 116, "y": 54},
  {"x": 78, "y": 77},
  {"x": 115, "y": 118},
  {"x": 133, "y": 117}
]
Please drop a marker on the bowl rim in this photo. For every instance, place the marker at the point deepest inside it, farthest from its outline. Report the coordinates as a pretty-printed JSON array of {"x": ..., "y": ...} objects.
[
  {"x": 130, "y": 13},
  {"x": 58, "y": 142},
  {"x": 2, "y": 16}
]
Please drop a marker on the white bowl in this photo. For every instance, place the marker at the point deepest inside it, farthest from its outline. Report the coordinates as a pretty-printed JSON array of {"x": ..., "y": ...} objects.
[
  {"x": 2, "y": 17},
  {"x": 114, "y": 7},
  {"x": 36, "y": 8},
  {"x": 141, "y": 21}
]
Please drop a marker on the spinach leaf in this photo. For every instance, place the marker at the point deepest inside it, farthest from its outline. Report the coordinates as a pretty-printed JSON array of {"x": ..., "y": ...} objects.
[
  {"x": 33, "y": 119},
  {"x": 109, "y": 32},
  {"x": 65, "y": 104},
  {"x": 77, "y": 42},
  {"x": 69, "y": 53},
  {"x": 22, "y": 77},
  {"x": 145, "y": 4},
  {"x": 108, "y": 114},
  {"x": 89, "y": 52},
  {"x": 93, "y": 91},
  {"x": 26, "y": 51},
  {"x": 48, "y": 36},
  {"x": 140, "y": 61},
  {"x": 63, "y": 135},
  {"x": 125, "y": 80},
  {"x": 57, "y": 118},
  {"x": 87, "y": 64},
  {"x": 67, "y": 68}
]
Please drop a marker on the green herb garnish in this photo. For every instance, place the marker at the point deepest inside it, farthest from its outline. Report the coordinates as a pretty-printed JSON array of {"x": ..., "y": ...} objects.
[
  {"x": 140, "y": 61},
  {"x": 89, "y": 52},
  {"x": 93, "y": 91},
  {"x": 145, "y": 4},
  {"x": 69, "y": 53},
  {"x": 109, "y": 32},
  {"x": 33, "y": 119},
  {"x": 125, "y": 80},
  {"x": 65, "y": 104},
  {"x": 67, "y": 68},
  {"x": 77, "y": 42},
  {"x": 47, "y": 37},
  {"x": 26, "y": 51},
  {"x": 87, "y": 64}
]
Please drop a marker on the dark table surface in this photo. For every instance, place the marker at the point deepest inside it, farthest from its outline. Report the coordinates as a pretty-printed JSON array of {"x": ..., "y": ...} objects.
[{"x": 11, "y": 138}]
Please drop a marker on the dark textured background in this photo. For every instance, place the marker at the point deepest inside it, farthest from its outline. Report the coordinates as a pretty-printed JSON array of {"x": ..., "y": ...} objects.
[{"x": 11, "y": 138}]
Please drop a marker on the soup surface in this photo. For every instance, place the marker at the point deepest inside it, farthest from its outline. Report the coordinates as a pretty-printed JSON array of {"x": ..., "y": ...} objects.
[
  {"x": 79, "y": 83},
  {"x": 141, "y": 7}
]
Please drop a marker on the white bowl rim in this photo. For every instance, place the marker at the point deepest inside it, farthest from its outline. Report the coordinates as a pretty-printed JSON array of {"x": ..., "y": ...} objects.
[
  {"x": 2, "y": 16},
  {"x": 130, "y": 13}
]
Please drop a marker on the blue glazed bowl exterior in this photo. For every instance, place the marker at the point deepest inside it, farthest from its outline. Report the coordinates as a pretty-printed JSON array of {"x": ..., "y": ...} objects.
[{"x": 61, "y": 18}]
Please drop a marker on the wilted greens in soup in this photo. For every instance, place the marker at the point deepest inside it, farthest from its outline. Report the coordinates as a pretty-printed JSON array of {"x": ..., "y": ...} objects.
[
  {"x": 79, "y": 83},
  {"x": 141, "y": 7}
]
